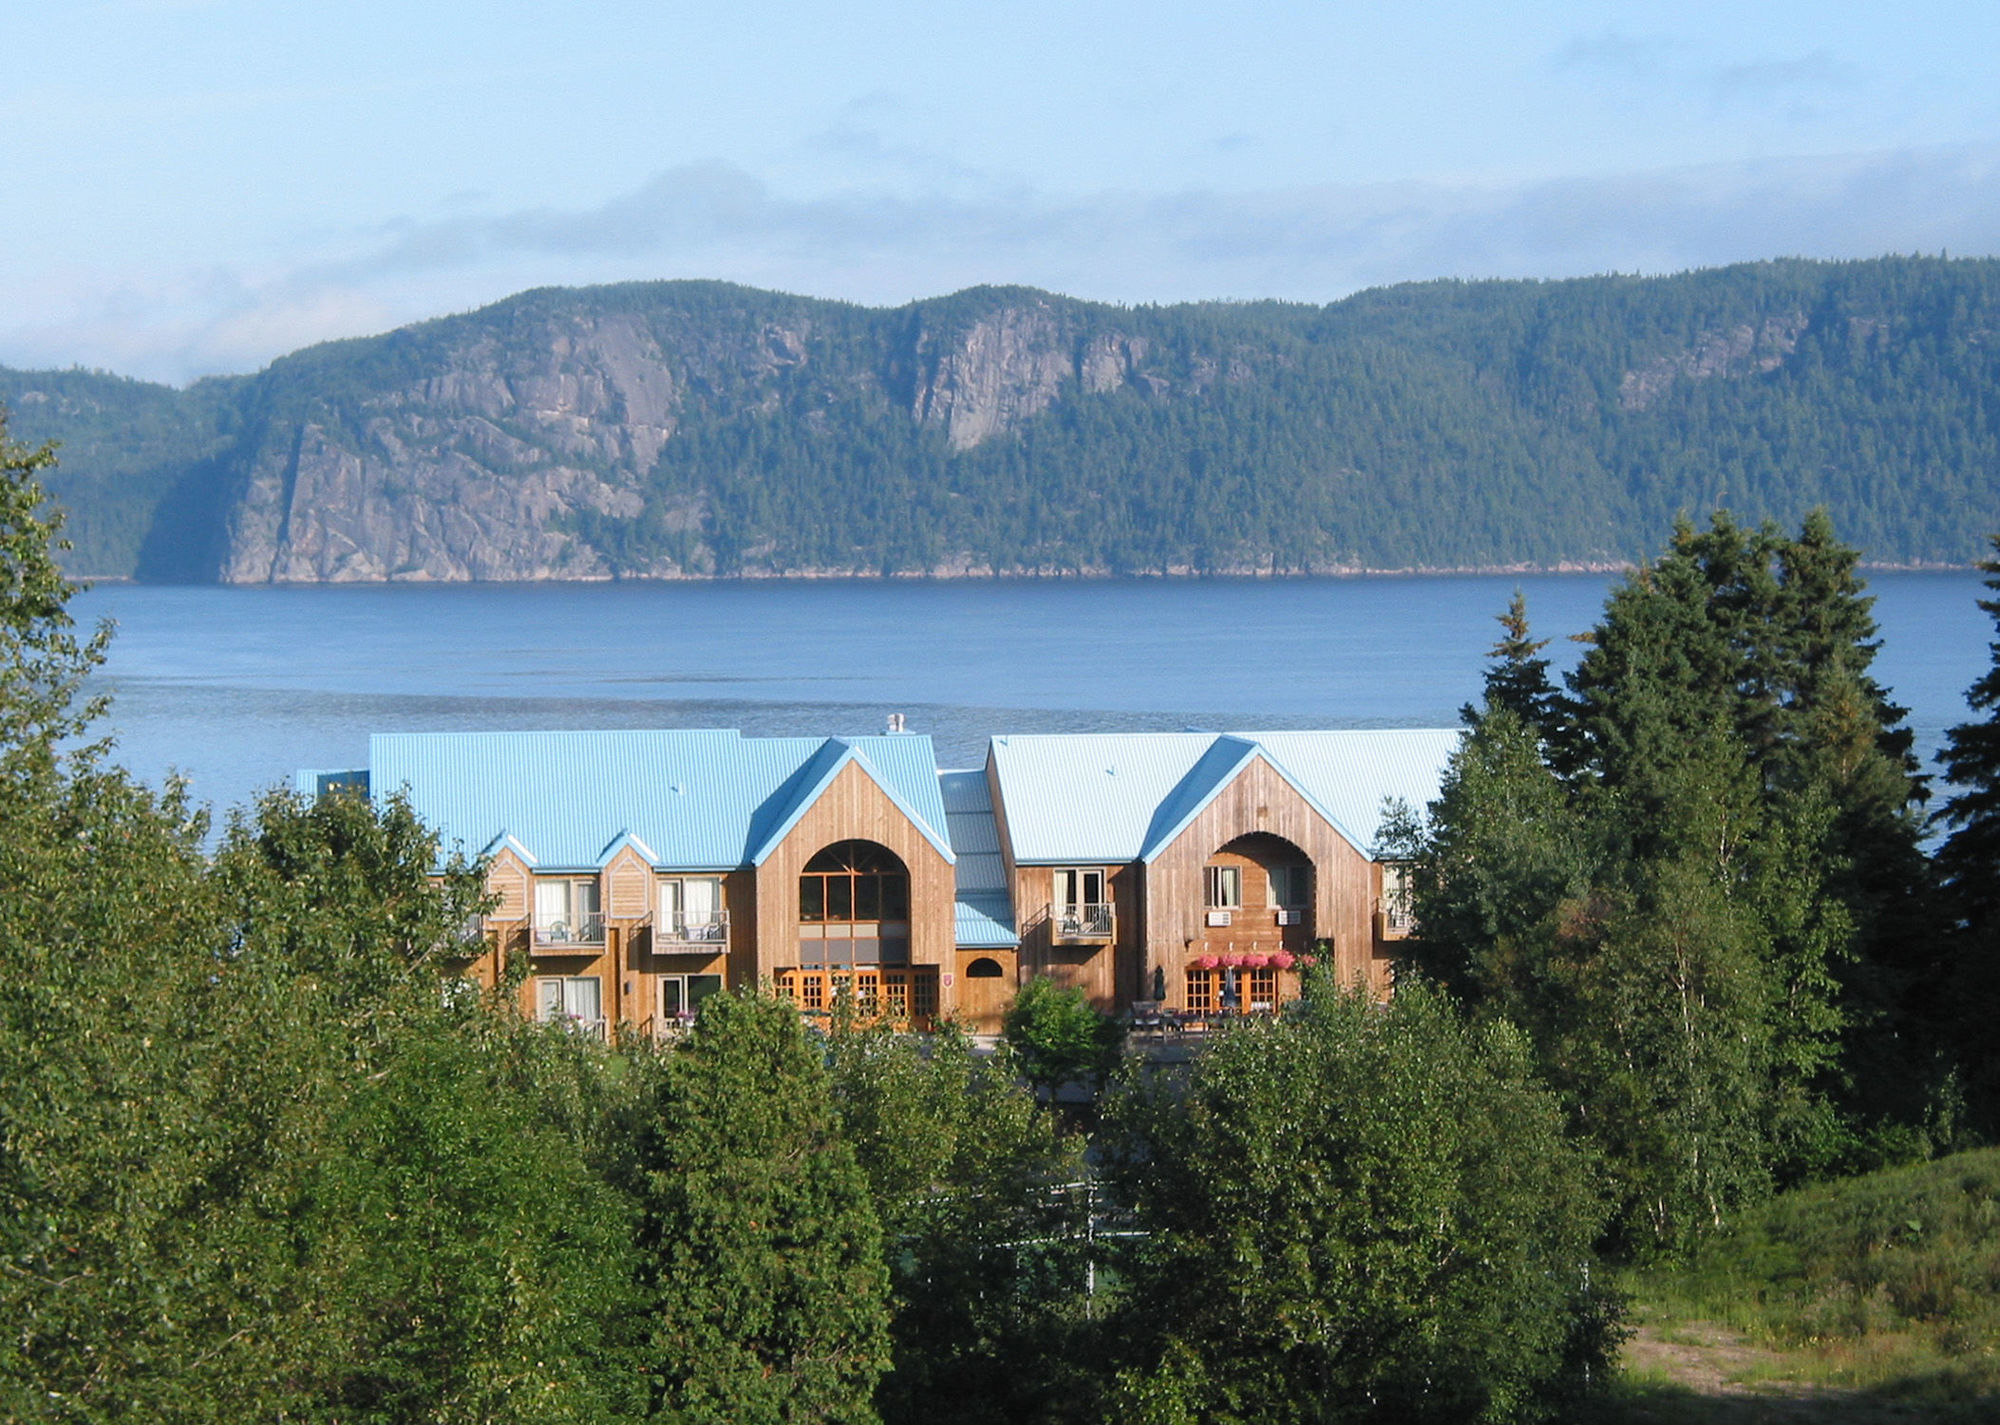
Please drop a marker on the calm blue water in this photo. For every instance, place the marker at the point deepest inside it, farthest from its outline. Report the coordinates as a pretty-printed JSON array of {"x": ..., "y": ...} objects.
[{"x": 237, "y": 687}]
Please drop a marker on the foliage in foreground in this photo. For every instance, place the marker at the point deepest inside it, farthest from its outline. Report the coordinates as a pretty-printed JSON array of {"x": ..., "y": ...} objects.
[
  {"x": 983, "y": 1226},
  {"x": 760, "y": 1251},
  {"x": 1360, "y": 1212}
]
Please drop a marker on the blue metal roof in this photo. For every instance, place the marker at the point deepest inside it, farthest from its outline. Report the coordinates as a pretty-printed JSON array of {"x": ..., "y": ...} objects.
[
  {"x": 984, "y": 921},
  {"x": 985, "y": 908},
  {"x": 697, "y": 800},
  {"x": 1111, "y": 797}
]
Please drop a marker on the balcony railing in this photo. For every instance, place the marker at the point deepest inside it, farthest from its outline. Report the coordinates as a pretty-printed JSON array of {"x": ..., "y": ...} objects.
[
  {"x": 1394, "y": 917},
  {"x": 575, "y": 930},
  {"x": 705, "y": 931},
  {"x": 1081, "y": 920}
]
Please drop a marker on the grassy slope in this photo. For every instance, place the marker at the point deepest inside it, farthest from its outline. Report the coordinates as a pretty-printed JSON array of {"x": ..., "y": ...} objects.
[{"x": 1877, "y": 1297}]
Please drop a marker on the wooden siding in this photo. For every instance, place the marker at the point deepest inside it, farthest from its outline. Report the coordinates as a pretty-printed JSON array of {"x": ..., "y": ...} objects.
[
  {"x": 1092, "y": 966},
  {"x": 982, "y": 1001},
  {"x": 1344, "y": 882},
  {"x": 507, "y": 878},
  {"x": 854, "y": 808},
  {"x": 628, "y": 887}
]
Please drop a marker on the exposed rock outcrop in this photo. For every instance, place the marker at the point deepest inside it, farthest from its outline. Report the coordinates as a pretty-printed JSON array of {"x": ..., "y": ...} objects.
[
  {"x": 485, "y": 464},
  {"x": 1742, "y": 350}
]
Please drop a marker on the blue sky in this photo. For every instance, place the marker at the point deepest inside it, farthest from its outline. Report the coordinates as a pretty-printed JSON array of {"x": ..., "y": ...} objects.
[{"x": 197, "y": 186}]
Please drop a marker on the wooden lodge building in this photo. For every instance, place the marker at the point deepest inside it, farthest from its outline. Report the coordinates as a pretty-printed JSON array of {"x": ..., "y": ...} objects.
[{"x": 636, "y": 872}]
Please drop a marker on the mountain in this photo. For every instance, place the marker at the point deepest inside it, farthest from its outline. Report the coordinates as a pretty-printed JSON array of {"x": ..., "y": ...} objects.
[{"x": 676, "y": 429}]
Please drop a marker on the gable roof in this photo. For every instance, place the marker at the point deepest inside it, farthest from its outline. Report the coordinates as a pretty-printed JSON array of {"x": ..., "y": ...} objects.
[
  {"x": 696, "y": 800},
  {"x": 1112, "y": 797},
  {"x": 781, "y": 813}
]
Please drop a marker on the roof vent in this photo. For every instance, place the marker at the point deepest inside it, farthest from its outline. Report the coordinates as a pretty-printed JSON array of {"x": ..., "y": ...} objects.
[{"x": 895, "y": 722}]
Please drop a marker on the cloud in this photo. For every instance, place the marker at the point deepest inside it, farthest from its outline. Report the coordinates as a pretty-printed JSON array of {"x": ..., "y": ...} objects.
[
  {"x": 1306, "y": 243},
  {"x": 1617, "y": 53},
  {"x": 1765, "y": 79}
]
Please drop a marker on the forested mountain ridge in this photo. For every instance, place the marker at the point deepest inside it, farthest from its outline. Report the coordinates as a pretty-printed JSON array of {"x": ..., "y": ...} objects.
[{"x": 675, "y": 429}]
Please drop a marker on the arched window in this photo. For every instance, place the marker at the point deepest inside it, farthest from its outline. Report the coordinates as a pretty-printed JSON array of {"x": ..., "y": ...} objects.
[
  {"x": 984, "y": 968},
  {"x": 854, "y": 907},
  {"x": 854, "y": 881}
]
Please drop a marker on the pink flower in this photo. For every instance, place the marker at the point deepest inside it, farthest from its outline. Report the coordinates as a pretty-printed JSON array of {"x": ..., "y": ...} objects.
[
  {"x": 1308, "y": 960},
  {"x": 1282, "y": 960},
  {"x": 1256, "y": 962},
  {"x": 1232, "y": 960},
  {"x": 1205, "y": 962}
]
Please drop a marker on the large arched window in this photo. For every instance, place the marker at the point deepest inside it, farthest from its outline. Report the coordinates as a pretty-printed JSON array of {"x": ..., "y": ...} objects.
[
  {"x": 854, "y": 907},
  {"x": 854, "y": 880}
]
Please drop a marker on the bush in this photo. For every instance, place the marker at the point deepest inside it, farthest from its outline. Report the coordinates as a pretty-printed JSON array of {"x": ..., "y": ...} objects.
[{"x": 1060, "y": 1037}]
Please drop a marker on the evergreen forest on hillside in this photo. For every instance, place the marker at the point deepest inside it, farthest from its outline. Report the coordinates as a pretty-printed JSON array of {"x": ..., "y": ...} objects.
[
  {"x": 1689, "y": 995},
  {"x": 1432, "y": 425}
]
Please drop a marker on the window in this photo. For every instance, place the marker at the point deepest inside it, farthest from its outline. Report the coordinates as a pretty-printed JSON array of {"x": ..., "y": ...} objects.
[
  {"x": 854, "y": 908},
  {"x": 984, "y": 968},
  {"x": 576, "y": 1000},
  {"x": 1079, "y": 905},
  {"x": 1291, "y": 887},
  {"x": 681, "y": 995},
  {"x": 691, "y": 909},
  {"x": 854, "y": 881},
  {"x": 566, "y": 912},
  {"x": 1222, "y": 887}
]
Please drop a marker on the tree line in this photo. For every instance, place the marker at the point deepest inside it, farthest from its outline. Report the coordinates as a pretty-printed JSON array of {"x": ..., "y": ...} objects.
[{"x": 264, "y": 1157}]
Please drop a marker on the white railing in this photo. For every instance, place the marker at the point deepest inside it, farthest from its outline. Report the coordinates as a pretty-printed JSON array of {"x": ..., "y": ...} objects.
[
  {"x": 1081, "y": 920},
  {"x": 678, "y": 929},
  {"x": 571, "y": 930}
]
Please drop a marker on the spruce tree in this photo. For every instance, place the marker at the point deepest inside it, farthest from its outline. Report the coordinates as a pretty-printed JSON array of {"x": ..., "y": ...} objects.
[
  {"x": 1969, "y": 858},
  {"x": 1517, "y": 679},
  {"x": 1969, "y": 863}
]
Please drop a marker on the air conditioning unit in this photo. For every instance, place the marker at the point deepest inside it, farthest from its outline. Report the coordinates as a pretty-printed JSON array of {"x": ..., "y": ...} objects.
[
  {"x": 1291, "y": 917},
  {"x": 1218, "y": 917}
]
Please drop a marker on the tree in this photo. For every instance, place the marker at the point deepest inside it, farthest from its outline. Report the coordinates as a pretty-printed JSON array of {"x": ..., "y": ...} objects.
[
  {"x": 1969, "y": 858},
  {"x": 1506, "y": 848},
  {"x": 983, "y": 1225},
  {"x": 1059, "y": 1036},
  {"x": 766, "y": 1295},
  {"x": 1517, "y": 680},
  {"x": 1358, "y": 1213},
  {"x": 42, "y": 662},
  {"x": 1969, "y": 864},
  {"x": 1684, "y": 883}
]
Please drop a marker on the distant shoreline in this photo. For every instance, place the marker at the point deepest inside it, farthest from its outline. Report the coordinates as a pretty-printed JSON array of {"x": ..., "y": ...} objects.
[{"x": 954, "y": 575}]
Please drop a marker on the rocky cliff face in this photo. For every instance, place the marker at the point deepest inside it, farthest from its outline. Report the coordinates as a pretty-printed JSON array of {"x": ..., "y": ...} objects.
[
  {"x": 467, "y": 472},
  {"x": 485, "y": 464}
]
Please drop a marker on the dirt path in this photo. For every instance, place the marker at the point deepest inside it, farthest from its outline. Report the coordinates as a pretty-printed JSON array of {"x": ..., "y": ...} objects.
[{"x": 1700, "y": 1371}]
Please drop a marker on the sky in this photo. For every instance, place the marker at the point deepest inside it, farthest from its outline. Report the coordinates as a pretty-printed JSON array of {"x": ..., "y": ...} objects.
[{"x": 195, "y": 187}]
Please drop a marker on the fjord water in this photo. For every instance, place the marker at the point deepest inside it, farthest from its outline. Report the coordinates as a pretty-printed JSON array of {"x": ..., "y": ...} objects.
[{"x": 237, "y": 687}]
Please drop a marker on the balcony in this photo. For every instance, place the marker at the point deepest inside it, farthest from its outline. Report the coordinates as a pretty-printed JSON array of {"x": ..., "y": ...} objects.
[
  {"x": 1081, "y": 922},
  {"x": 569, "y": 934},
  {"x": 679, "y": 934},
  {"x": 1394, "y": 919}
]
